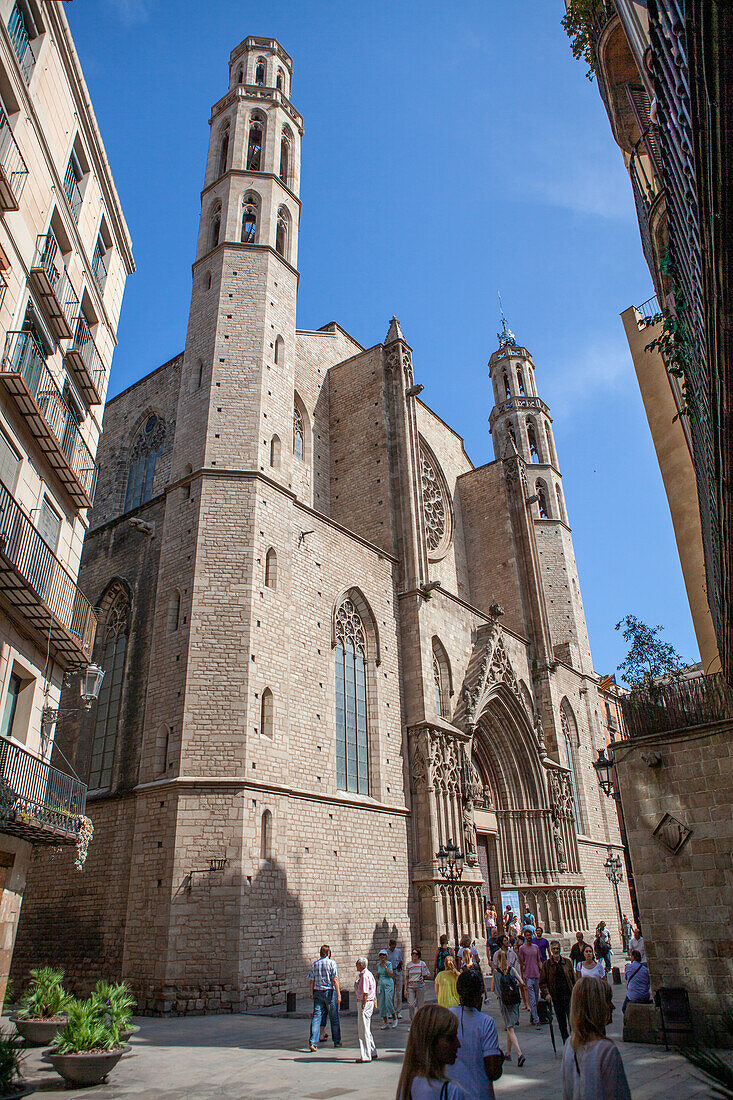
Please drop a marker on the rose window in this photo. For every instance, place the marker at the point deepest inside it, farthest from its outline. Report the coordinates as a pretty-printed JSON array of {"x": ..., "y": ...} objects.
[{"x": 435, "y": 511}]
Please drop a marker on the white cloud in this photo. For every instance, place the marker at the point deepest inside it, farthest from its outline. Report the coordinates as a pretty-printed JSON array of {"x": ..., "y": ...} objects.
[
  {"x": 130, "y": 11},
  {"x": 588, "y": 370}
]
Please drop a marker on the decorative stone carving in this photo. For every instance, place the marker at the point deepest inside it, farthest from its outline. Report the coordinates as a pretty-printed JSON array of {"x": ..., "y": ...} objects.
[
  {"x": 470, "y": 849},
  {"x": 561, "y": 809},
  {"x": 540, "y": 733},
  {"x": 435, "y": 761},
  {"x": 495, "y": 668},
  {"x": 434, "y": 503}
]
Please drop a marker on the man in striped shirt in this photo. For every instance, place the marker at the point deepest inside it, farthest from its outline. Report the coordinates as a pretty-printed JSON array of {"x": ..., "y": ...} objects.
[{"x": 323, "y": 977}]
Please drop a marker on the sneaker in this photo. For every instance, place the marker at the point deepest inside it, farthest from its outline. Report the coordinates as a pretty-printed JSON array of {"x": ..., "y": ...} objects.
[
  {"x": 383, "y": 1027},
  {"x": 395, "y": 1023},
  {"x": 399, "y": 1015},
  {"x": 312, "y": 1047}
]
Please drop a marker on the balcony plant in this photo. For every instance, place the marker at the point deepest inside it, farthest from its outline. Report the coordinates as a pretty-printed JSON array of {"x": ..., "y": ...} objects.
[
  {"x": 11, "y": 1077},
  {"x": 42, "y": 1010},
  {"x": 115, "y": 1003},
  {"x": 88, "y": 1047}
]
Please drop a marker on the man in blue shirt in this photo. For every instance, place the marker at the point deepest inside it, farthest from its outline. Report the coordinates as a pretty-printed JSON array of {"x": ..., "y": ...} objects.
[
  {"x": 323, "y": 977},
  {"x": 638, "y": 986},
  {"x": 539, "y": 941}
]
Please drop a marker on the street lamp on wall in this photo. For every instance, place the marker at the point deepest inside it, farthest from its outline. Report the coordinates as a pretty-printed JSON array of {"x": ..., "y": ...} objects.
[
  {"x": 604, "y": 770},
  {"x": 450, "y": 864},
  {"x": 90, "y": 682}
]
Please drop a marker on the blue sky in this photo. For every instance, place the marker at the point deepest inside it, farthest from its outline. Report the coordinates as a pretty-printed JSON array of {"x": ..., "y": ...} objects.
[{"x": 450, "y": 150}]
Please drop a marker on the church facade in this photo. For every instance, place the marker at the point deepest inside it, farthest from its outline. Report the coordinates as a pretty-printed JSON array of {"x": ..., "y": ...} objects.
[{"x": 331, "y": 643}]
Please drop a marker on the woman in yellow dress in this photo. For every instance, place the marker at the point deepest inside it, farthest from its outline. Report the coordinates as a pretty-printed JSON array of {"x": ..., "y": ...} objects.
[{"x": 445, "y": 983}]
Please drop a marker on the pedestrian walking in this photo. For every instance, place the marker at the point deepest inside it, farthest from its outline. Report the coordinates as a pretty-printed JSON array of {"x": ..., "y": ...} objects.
[
  {"x": 465, "y": 943},
  {"x": 638, "y": 986},
  {"x": 528, "y": 922},
  {"x": 445, "y": 984},
  {"x": 326, "y": 995},
  {"x": 592, "y": 1068},
  {"x": 636, "y": 943},
  {"x": 539, "y": 941},
  {"x": 394, "y": 954},
  {"x": 385, "y": 991},
  {"x": 591, "y": 967},
  {"x": 557, "y": 978},
  {"x": 416, "y": 972},
  {"x": 602, "y": 944},
  {"x": 507, "y": 982},
  {"x": 491, "y": 920},
  {"x": 577, "y": 950},
  {"x": 442, "y": 953},
  {"x": 628, "y": 931},
  {"x": 479, "y": 1061},
  {"x": 529, "y": 960},
  {"x": 432, "y": 1044},
  {"x": 365, "y": 992}
]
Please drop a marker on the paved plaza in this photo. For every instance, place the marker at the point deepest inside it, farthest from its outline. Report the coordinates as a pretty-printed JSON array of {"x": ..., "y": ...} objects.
[{"x": 258, "y": 1057}]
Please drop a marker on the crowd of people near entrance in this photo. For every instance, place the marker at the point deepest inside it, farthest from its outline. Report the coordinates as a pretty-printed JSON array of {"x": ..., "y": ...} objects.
[{"x": 453, "y": 1050}]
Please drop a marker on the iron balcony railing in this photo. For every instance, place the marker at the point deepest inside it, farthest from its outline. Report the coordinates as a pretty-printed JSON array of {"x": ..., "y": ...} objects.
[
  {"x": 72, "y": 192},
  {"x": 40, "y": 802},
  {"x": 3, "y": 288},
  {"x": 34, "y": 562},
  {"x": 53, "y": 284},
  {"x": 650, "y": 312},
  {"x": 21, "y": 43},
  {"x": 83, "y": 356},
  {"x": 677, "y": 705},
  {"x": 13, "y": 169},
  {"x": 38, "y": 393},
  {"x": 99, "y": 268}
]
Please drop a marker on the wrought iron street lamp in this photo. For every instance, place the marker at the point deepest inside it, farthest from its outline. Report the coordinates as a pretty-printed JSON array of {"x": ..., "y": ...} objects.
[
  {"x": 604, "y": 770},
  {"x": 450, "y": 864},
  {"x": 615, "y": 875},
  {"x": 90, "y": 682}
]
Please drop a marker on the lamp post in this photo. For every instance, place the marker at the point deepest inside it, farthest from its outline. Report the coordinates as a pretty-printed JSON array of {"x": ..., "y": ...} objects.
[
  {"x": 616, "y": 875},
  {"x": 90, "y": 681},
  {"x": 605, "y": 765},
  {"x": 450, "y": 863}
]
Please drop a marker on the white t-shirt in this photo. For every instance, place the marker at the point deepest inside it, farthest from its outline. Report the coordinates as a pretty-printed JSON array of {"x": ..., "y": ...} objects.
[
  {"x": 638, "y": 945},
  {"x": 416, "y": 973},
  {"x": 598, "y": 971},
  {"x": 479, "y": 1039},
  {"x": 598, "y": 1075},
  {"x": 422, "y": 1089}
]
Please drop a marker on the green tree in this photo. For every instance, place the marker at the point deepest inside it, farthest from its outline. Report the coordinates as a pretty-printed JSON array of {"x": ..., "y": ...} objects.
[{"x": 649, "y": 656}]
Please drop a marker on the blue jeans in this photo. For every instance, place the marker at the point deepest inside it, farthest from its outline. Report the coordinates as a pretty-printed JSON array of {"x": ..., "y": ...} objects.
[{"x": 325, "y": 1007}]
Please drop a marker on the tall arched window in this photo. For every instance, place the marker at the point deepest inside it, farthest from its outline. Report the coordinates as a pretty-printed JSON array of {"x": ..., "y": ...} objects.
[
  {"x": 441, "y": 679},
  {"x": 224, "y": 151},
  {"x": 145, "y": 449},
  {"x": 520, "y": 380},
  {"x": 275, "y": 452},
  {"x": 215, "y": 229},
  {"x": 507, "y": 391},
  {"x": 285, "y": 158},
  {"x": 550, "y": 450},
  {"x": 560, "y": 505},
  {"x": 298, "y": 432},
  {"x": 542, "y": 499},
  {"x": 240, "y": 76},
  {"x": 280, "y": 80},
  {"x": 282, "y": 232},
  {"x": 532, "y": 440},
  {"x": 254, "y": 145},
  {"x": 352, "y": 759},
  {"x": 249, "y": 220},
  {"x": 438, "y": 687},
  {"x": 271, "y": 568},
  {"x": 570, "y": 738},
  {"x": 174, "y": 611},
  {"x": 116, "y": 623},
  {"x": 260, "y": 70},
  {"x": 267, "y": 714},
  {"x": 266, "y": 836},
  {"x": 279, "y": 351}
]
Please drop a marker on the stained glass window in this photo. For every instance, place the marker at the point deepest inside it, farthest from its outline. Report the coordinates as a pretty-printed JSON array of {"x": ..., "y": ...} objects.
[
  {"x": 434, "y": 505},
  {"x": 107, "y": 715},
  {"x": 298, "y": 432},
  {"x": 352, "y": 759},
  {"x": 145, "y": 450}
]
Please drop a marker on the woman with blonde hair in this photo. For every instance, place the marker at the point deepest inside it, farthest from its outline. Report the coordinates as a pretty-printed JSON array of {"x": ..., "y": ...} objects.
[
  {"x": 507, "y": 984},
  {"x": 432, "y": 1044},
  {"x": 445, "y": 983},
  {"x": 591, "y": 1066}
]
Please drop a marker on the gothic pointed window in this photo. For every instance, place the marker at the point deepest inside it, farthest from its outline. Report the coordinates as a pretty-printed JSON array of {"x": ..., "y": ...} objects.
[
  {"x": 542, "y": 499},
  {"x": 260, "y": 71},
  {"x": 284, "y": 158},
  {"x": 215, "y": 229},
  {"x": 437, "y": 681},
  {"x": 550, "y": 450},
  {"x": 275, "y": 452},
  {"x": 266, "y": 835},
  {"x": 560, "y": 505},
  {"x": 267, "y": 710},
  {"x": 240, "y": 76},
  {"x": 507, "y": 391},
  {"x": 520, "y": 380},
  {"x": 298, "y": 432},
  {"x": 146, "y": 448},
  {"x": 254, "y": 145},
  {"x": 280, "y": 80},
  {"x": 116, "y": 625},
  {"x": 224, "y": 151},
  {"x": 352, "y": 761},
  {"x": 436, "y": 509},
  {"x": 282, "y": 232},
  {"x": 249, "y": 220},
  {"x": 532, "y": 440},
  {"x": 570, "y": 739},
  {"x": 271, "y": 568}
]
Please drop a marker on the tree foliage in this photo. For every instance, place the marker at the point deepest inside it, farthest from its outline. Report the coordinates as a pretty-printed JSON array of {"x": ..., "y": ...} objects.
[
  {"x": 577, "y": 23},
  {"x": 649, "y": 656}
]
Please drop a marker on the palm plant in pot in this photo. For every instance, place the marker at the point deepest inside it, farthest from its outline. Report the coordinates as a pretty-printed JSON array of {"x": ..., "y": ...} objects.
[
  {"x": 116, "y": 1003},
  {"x": 42, "y": 1008},
  {"x": 11, "y": 1078},
  {"x": 88, "y": 1047}
]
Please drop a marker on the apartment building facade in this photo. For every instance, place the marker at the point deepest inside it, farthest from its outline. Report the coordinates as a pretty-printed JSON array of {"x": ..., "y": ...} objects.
[{"x": 65, "y": 253}]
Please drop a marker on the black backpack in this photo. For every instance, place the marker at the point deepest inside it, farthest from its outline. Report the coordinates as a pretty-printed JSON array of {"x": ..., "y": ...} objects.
[{"x": 509, "y": 990}]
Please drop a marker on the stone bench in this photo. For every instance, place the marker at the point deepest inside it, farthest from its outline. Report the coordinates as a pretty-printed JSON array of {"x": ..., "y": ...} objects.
[{"x": 642, "y": 1024}]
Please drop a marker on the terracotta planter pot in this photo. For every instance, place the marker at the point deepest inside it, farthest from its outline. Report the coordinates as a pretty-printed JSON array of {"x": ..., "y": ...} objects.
[
  {"x": 126, "y": 1033},
  {"x": 39, "y": 1033},
  {"x": 84, "y": 1069}
]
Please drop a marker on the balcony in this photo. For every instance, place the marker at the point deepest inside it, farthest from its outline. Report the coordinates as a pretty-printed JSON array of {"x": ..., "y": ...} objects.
[
  {"x": 72, "y": 192},
  {"x": 649, "y": 313},
  {"x": 83, "y": 358},
  {"x": 39, "y": 803},
  {"x": 21, "y": 43},
  {"x": 516, "y": 403},
  {"x": 677, "y": 705},
  {"x": 26, "y": 377},
  {"x": 33, "y": 579},
  {"x": 13, "y": 169},
  {"x": 51, "y": 282}
]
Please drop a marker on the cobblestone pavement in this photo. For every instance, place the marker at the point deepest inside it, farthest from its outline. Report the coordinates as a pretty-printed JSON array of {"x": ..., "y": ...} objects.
[{"x": 262, "y": 1058}]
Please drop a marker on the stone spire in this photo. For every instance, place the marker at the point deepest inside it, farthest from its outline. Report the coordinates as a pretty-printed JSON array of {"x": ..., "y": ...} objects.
[{"x": 395, "y": 332}]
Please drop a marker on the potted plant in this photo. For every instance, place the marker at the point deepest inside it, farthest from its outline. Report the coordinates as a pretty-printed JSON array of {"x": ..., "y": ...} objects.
[
  {"x": 42, "y": 1009},
  {"x": 88, "y": 1047},
  {"x": 11, "y": 1057},
  {"x": 115, "y": 1003}
]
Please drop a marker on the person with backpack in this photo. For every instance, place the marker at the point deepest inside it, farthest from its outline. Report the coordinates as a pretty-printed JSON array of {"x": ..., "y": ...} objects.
[
  {"x": 442, "y": 954},
  {"x": 507, "y": 983}
]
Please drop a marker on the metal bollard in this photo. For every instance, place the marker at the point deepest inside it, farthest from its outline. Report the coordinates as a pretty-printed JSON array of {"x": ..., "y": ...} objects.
[{"x": 290, "y": 1002}]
